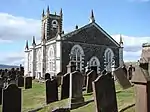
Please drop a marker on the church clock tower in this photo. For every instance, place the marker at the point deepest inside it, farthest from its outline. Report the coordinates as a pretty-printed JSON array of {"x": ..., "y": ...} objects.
[{"x": 51, "y": 24}]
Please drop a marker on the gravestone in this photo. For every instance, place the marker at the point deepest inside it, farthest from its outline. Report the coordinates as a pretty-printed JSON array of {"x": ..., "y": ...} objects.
[
  {"x": 71, "y": 67},
  {"x": 141, "y": 80},
  {"x": 58, "y": 78},
  {"x": 28, "y": 82},
  {"x": 120, "y": 75},
  {"x": 65, "y": 86},
  {"x": 1, "y": 86},
  {"x": 47, "y": 76},
  {"x": 91, "y": 76},
  {"x": 75, "y": 94},
  {"x": 104, "y": 93},
  {"x": 20, "y": 81},
  {"x": 11, "y": 99},
  {"x": 51, "y": 91}
]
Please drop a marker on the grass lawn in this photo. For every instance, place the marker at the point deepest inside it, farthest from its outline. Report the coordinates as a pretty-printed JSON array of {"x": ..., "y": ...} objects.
[{"x": 35, "y": 98}]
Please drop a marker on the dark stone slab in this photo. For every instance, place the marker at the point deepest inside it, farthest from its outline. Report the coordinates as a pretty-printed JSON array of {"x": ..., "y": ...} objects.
[
  {"x": 76, "y": 83},
  {"x": 20, "y": 81},
  {"x": 0, "y": 95},
  {"x": 120, "y": 75},
  {"x": 11, "y": 101},
  {"x": 47, "y": 76},
  {"x": 91, "y": 76},
  {"x": 104, "y": 94},
  {"x": 65, "y": 86},
  {"x": 51, "y": 91},
  {"x": 28, "y": 82}
]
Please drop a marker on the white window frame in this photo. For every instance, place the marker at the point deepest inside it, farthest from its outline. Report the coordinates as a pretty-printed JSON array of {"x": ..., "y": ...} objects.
[{"x": 94, "y": 61}]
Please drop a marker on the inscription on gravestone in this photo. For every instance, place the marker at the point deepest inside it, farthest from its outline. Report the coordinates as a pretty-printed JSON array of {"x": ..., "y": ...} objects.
[
  {"x": 65, "y": 86},
  {"x": 121, "y": 78},
  {"x": 28, "y": 82},
  {"x": 104, "y": 94},
  {"x": 51, "y": 91},
  {"x": 11, "y": 100},
  {"x": 76, "y": 82}
]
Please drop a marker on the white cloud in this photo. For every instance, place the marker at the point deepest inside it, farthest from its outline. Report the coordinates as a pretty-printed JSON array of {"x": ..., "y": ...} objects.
[
  {"x": 19, "y": 28},
  {"x": 14, "y": 28}
]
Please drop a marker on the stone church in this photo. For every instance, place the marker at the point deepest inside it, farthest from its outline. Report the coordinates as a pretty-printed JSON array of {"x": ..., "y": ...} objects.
[{"x": 89, "y": 44}]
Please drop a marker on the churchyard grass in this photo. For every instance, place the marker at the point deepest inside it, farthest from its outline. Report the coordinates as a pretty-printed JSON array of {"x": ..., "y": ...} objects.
[{"x": 35, "y": 98}]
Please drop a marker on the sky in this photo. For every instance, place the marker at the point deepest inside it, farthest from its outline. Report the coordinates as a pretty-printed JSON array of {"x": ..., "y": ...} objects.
[{"x": 21, "y": 19}]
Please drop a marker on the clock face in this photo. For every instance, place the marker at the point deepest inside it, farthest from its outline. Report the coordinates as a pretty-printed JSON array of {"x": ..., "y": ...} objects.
[{"x": 54, "y": 24}]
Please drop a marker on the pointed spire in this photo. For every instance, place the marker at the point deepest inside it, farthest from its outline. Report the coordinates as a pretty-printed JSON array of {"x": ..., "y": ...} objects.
[
  {"x": 33, "y": 41},
  {"x": 76, "y": 27},
  {"x": 92, "y": 19},
  {"x": 27, "y": 47},
  {"x": 48, "y": 12},
  {"x": 61, "y": 13},
  {"x": 121, "y": 41},
  {"x": 43, "y": 13}
]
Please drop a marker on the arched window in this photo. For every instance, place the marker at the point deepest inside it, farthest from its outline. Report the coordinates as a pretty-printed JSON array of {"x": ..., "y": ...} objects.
[
  {"x": 29, "y": 61},
  {"x": 77, "y": 54},
  {"x": 39, "y": 60},
  {"x": 51, "y": 59},
  {"x": 109, "y": 55},
  {"x": 94, "y": 61}
]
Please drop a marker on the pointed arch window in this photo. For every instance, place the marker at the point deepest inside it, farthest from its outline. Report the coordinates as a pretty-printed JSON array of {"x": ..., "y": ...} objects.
[
  {"x": 51, "y": 59},
  {"x": 29, "y": 62},
  {"x": 77, "y": 56},
  {"x": 38, "y": 60},
  {"x": 109, "y": 55}
]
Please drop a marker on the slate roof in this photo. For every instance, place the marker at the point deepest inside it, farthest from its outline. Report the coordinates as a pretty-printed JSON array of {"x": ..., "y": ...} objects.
[{"x": 70, "y": 34}]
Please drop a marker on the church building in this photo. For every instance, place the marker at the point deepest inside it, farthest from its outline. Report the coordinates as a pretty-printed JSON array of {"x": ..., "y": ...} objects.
[{"x": 88, "y": 44}]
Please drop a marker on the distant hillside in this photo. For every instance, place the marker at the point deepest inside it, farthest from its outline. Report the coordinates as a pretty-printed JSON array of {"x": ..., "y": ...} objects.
[{"x": 2, "y": 66}]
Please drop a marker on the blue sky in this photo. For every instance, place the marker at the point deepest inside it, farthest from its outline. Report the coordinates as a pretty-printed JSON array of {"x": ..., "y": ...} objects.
[{"x": 131, "y": 18}]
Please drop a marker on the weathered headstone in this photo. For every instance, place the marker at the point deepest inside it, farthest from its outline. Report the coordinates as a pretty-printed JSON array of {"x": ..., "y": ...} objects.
[
  {"x": 11, "y": 99},
  {"x": 58, "y": 78},
  {"x": 20, "y": 81},
  {"x": 141, "y": 80},
  {"x": 47, "y": 76},
  {"x": 65, "y": 86},
  {"x": 121, "y": 78},
  {"x": 75, "y": 94},
  {"x": 104, "y": 94},
  {"x": 28, "y": 82},
  {"x": 91, "y": 76},
  {"x": 51, "y": 91}
]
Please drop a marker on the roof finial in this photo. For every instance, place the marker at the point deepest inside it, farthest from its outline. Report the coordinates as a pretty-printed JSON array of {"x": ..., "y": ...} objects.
[
  {"x": 43, "y": 13},
  {"x": 92, "y": 19},
  {"x": 61, "y": 13},
  {"x": 121, "y": 41},
  {"x": 26, "y": 47},
  {"x": 33, "y": 41},
  {"x": 48, "y": 12}
]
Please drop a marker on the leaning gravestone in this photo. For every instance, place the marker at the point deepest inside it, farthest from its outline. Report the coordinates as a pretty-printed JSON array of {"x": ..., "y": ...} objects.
[
  {"x": 91, "y": 76},
  {"x": 121, "y": 78},
  {"x": 47, "y": 76},
  {"x": 28, "y": 82},
  {"x": 20, "y": 81},
  {"x": 76, "y": 83},
  {"x": 51, "y": 91},
  {"x": 104, "y": 94},
  {"x": 11, "y": 99},
  {"x": 65, "y": 86}
]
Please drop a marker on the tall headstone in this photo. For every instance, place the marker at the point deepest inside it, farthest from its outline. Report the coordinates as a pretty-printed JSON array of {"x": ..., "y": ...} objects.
[
  {"x": 91, "y": 76},
  {"x": 65, "y": 86},
  {"x": 104, "y": 93},
  {"x": 28, "y": 82},
  {"x": 47, "y": 76},
  {"x": 51, "y": 91},
  {"x": 121, "y": 78},
  {"x": 75, "y": 95},
  {"x": 11, "y": 99},
  {"x": 141, "y": 80},
  {"x": 20, "y": 81}
]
